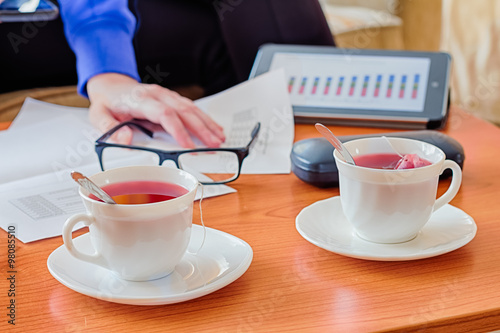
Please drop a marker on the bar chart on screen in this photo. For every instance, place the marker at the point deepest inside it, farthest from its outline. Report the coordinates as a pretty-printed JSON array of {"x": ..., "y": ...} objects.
[
  {"x": 369, "y": 87},
  {"x": 364, "y": 82}
]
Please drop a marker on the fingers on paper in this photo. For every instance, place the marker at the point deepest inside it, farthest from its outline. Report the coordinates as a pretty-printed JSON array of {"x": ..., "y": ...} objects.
[
  {"x": 102, "y": 118},
  {"x": 179, "y": 116},
  {"x": 168, "y": 118}
]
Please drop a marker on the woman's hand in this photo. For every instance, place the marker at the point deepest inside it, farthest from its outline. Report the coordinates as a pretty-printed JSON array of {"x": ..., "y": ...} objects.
[{"x": 115, "y": 98}]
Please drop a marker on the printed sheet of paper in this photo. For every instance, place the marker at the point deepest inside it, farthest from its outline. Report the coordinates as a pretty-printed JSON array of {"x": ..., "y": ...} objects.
[
  {"x": 46, "y": 142},
  {"x": 64, "y": 142},
  {"x": 38, "y": 206},
  {"x": 264, "y": 99},
  {"x": 34, "y": 112}
]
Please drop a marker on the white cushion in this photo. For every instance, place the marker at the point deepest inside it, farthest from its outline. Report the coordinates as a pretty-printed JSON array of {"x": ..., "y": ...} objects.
[{"x": 343, "y": 19}]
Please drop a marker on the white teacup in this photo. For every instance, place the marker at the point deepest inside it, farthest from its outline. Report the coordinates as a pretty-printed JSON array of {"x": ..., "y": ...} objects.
[
  {"x": 137, "y": 242},
  {"x": 392, "y": 206}
]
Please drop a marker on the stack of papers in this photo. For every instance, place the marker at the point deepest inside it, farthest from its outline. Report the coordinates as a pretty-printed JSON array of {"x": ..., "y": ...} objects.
[{"x": 46, "y": 142}]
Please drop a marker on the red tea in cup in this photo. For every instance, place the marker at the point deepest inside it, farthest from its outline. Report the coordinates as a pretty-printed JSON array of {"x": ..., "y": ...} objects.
[
  {"x": 142, "y": 192},
  {"x": 390, "y": 161}
]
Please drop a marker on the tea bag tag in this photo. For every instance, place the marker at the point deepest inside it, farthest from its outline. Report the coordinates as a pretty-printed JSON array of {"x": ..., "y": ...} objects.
[
  {"x": 383, "y": 145},
  {"x": 202, "y": 223}
]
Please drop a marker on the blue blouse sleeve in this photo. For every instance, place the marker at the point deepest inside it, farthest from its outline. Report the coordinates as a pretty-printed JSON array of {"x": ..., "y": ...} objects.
[{"x": 100, "y": 32}]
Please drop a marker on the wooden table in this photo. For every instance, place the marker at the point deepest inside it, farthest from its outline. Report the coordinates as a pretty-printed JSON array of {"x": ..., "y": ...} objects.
[{"x": 293, "y": 285}]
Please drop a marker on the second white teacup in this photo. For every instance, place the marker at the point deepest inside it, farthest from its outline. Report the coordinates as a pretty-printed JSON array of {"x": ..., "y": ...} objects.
[
  {"x": 392, "y": 206},
  {"x": 137, "y": 242}
]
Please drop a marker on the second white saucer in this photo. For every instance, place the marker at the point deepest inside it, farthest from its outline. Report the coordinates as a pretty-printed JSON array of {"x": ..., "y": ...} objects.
[
  {"x": 323, "y": 224},
  {"x": 222, "y": 259}
]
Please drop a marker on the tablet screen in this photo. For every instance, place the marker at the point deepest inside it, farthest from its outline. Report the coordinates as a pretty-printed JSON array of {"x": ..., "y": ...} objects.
[{"x": 355, "y": 81}]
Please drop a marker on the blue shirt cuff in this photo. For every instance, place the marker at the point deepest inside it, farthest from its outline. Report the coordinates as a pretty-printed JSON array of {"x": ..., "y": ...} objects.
[{"x": 103, "y": 49}]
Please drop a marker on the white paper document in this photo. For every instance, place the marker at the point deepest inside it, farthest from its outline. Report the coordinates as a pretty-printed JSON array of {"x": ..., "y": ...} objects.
[
  {"x": 264, "y": 99},
  {"x": 46, "y": 142}
]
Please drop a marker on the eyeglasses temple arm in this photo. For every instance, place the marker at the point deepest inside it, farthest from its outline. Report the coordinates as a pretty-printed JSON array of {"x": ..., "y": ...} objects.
[
  {"x": 254, "y": 134},
  {"x": 127, "y": 123}
]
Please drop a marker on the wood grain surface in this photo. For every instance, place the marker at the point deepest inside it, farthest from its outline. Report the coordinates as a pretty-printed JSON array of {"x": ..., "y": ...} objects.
[{"x": 291, "y": 284}]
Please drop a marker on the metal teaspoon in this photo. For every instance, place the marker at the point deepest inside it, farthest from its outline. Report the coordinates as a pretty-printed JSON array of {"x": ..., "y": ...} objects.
[
  {"x": 335, "y": 142},
  {"x": 91, "y": 187}
]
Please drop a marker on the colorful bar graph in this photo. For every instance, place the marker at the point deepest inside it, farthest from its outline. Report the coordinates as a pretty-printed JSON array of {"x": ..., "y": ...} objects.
[
  {"x": 389, "y": 87},
  {"x": 402, "y": 87},
  {"x": 315, "y": 85},
  {"x": 302, "y": 85},
  {"x": 377, "y": 85},
  {"x": 320, "y": 86},
  {"x": 339, "y": 87},
  {"x": 327, "y": 85},
  {"x": 415, "y": 86},
  {"x": 353, "y": 85},
  {"x": 365, "y": 85},
  {"x": 290, "y": 84}
]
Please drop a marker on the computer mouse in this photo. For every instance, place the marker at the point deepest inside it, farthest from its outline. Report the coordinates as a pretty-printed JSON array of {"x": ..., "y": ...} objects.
[{"x": 312, "y": 162}]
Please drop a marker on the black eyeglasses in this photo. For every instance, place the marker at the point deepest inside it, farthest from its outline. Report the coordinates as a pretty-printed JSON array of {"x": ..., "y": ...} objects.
[{"x": 212, "y": 166}]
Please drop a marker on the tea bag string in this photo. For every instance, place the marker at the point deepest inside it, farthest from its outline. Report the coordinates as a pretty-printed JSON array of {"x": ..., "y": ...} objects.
[{"x": 202, "y": 223}]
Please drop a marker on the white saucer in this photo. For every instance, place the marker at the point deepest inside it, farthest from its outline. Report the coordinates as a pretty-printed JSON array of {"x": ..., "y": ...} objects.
[
  {"x": 222, "y": 259},
  {"x": 323, "y": 223}
]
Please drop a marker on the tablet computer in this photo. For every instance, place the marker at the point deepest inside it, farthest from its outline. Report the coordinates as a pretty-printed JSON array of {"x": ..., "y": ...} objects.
[{"x": 384, "y": 88}]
